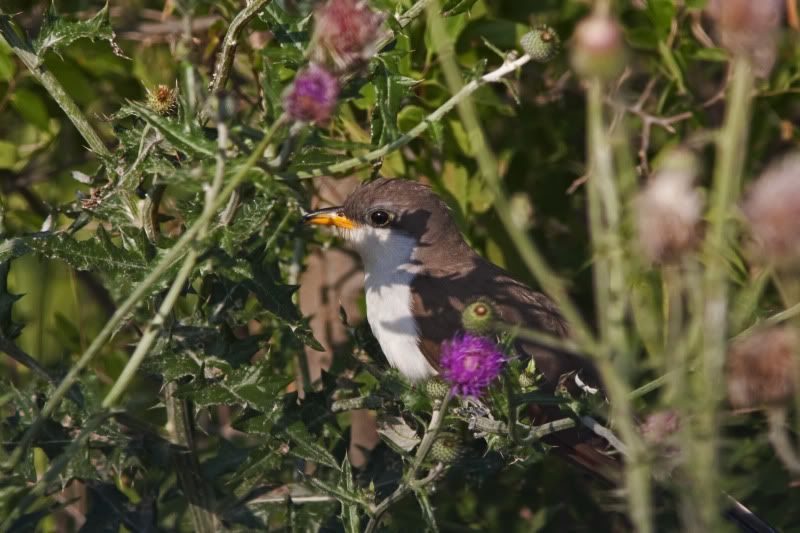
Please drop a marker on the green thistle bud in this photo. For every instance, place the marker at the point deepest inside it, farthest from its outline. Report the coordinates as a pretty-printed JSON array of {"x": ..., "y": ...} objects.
[
  {"x": 479, "y": 317},
  {"x": 542, "y": 43},
  {"x": 447, "y": 448},
  {"x": 436, "y": 389},
  {"x": 163, "y": 100}
]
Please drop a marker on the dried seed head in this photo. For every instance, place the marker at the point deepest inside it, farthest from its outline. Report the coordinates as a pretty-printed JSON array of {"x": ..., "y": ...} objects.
[
  {"x": 345, "y": 34},
  {"x": 312, "y": 97},
  {"x": 772, "y": 208},
  {"x": 163, "y": 100},
  {"x": 598, "y": 48},
  {"x": 669, "y": 209},
  {"x": 749, "y": 28},
  {"x": 761, "y": 368},
  {"x": 659, "y": 426},
  {"x": 542, "y": 43}
]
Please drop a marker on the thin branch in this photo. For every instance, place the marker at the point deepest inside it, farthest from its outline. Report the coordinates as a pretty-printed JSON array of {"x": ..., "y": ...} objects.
[
  {"x": 16, "y": 353},
  {"x": 410, "y": 483},
  {"x": 222, "y": 68},
  {"x": 401, "y": 492}
]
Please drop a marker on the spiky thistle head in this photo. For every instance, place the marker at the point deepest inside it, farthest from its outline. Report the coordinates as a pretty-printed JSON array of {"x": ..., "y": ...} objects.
[
  {"x": 470, "y": 363},
  {"x": 345, "y": 33},
  {"x": 312, "y": 96}
]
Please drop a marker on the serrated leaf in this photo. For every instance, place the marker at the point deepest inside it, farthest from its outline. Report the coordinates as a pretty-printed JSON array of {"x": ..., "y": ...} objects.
[
  {"x": 255, "y": 386},
  {"x": 305, "y": 446},
  {"x": 96, "y": 254},
  {"x": 57, "y": 33},
  {"x": 273, "y": 296},
  {"x": 192, "y": 142},
  {"x": 332, "y": 490},
  {"x": 350, "y": 518}
]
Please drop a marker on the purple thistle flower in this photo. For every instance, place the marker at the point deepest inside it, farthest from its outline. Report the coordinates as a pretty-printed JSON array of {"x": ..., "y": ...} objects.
[
  {"x": 470, "y": 363},
  {"x": 312, "y": 97},
  {"x": 345, "y": 33}
]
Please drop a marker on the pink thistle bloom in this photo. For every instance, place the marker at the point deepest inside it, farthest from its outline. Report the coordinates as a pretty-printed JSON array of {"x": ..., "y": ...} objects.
[
  {"x": 470, "y": 363},
  {"x": 773, "y": 209},
  {"x": 345, "y": 33},
  {"x": 313, "y": 95}
]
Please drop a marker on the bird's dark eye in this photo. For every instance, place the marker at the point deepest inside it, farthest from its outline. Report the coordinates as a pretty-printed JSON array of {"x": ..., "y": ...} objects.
[{"x": 379, "y": 218}]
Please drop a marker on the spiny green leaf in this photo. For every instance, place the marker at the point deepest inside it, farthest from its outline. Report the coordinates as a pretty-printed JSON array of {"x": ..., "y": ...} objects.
[
  {"x": 192, "y": 142},
  {"x": 350, "y": 518},
  {"x": 255, "y": 386},
  {"x": 336, "y": 491},
  {"x": 57, "y": 34},
  {"x": 96, "y": 254},
  {"x": 306, "y": 447}
]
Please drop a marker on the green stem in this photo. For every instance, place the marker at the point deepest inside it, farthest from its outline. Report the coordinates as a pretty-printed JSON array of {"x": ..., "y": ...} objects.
[
  {"x": 731, "y": 149},
  {"x": 410, "y": 483},
  {"x": 199, "y": 495},
  {"x": 437, "y": 417},
  {"x": 151, "y": 333},
  {"x": 551, "y": 284},
  {"x": 25, "y": 53},
  {"x": 140, "y": 293},
  {"x": 222, "y": 68},
  {"x": 609, "y": 281}
]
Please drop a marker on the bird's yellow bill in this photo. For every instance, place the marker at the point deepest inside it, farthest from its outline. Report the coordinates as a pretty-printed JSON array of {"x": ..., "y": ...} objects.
[{"x": 329, "y": 218}]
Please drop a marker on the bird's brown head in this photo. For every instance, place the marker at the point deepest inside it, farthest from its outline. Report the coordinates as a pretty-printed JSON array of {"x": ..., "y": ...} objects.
[{"x": 388, "y": 209}]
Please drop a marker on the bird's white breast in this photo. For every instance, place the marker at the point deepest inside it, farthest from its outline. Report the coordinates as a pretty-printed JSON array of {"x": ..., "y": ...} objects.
[{"x": 388, "y": 272}]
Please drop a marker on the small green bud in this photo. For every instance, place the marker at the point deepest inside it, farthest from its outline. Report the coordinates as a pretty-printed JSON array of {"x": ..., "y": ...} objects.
[
  {"x": 436, "y": 388},
  {"x": 447, "y": 448},
  {"x": 479, "y": 317},
  {"x": 542, "y": 43}
]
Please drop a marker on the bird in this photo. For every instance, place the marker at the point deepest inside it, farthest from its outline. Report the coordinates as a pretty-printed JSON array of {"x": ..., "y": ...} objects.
[{"x": 419, "y": 276}]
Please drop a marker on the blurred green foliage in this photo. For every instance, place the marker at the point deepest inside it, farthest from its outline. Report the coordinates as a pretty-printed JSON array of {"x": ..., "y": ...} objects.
[{"x": 81, "y": 230}]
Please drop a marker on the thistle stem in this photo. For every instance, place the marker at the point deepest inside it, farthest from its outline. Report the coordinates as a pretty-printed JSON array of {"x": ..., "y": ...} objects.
[{"x": 731, "y": 149}]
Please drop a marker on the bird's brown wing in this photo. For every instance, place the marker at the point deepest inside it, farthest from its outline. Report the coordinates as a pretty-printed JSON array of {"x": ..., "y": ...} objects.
[{"x": 439, "y": 298}]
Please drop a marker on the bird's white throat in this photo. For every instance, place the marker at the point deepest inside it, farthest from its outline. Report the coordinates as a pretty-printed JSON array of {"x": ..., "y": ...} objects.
[{"x": 388, "y": 272}]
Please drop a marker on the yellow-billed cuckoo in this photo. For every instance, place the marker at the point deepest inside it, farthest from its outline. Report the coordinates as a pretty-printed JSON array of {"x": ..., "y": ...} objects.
[{"x": 420, "y": 274}]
